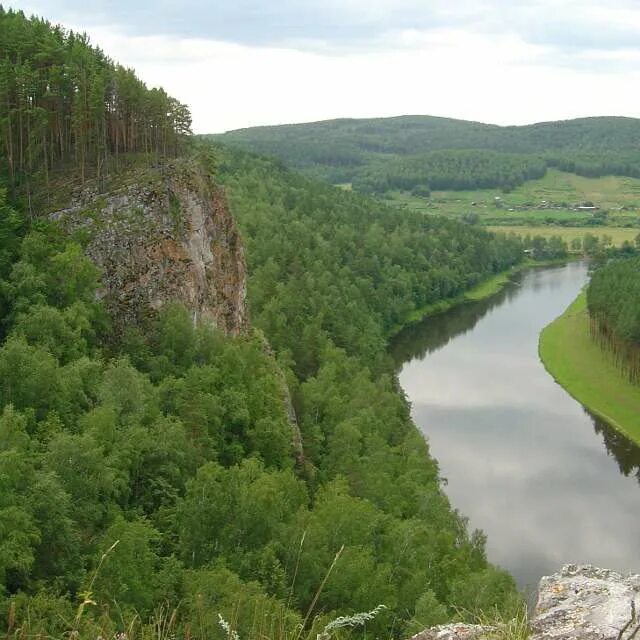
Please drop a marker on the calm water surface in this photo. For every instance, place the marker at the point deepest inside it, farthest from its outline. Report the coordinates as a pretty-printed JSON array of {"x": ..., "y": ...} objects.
[{"x": 547, "y": 482}]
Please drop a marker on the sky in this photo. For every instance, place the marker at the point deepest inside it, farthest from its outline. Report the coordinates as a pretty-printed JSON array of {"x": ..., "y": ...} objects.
[{"x": 242, "y": 63}]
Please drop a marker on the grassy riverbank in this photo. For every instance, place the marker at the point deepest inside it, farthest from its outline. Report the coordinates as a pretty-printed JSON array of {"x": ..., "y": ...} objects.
[
  {"x": 482, "y": 290},
  {"x": 578, "y": 364}
]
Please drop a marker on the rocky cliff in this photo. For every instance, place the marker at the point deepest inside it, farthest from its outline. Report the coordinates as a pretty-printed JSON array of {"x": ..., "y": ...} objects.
[
  {"x": 580, "y": 602},
  {"x": 164, "y": 235}
]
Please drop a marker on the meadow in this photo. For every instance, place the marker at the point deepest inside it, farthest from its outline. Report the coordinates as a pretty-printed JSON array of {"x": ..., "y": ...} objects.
[
  {"x": 551, "y": 200},
  {"x": 618, "y": 235}
]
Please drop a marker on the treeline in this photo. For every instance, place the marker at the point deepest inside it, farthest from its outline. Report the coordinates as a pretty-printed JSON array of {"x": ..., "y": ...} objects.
[
  {"x": 65, "y": 105},
  {"x": 449, "y": 170},
  {"x": 596, "y": 165},
  {"x": 613, "y": 300},
  {"x": 541, "y": 248}
]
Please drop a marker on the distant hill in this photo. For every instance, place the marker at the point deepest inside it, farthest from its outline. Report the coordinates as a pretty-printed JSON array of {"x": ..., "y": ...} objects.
[{"x": 361, "y": 151}]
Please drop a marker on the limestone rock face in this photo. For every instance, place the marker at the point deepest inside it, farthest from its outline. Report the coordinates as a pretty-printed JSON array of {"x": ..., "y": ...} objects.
[
  {"x": 166, "y": 236},
  {"x": 588, "y": 603}
]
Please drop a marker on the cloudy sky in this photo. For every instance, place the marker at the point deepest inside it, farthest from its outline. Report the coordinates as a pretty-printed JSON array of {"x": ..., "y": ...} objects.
[{"x": 240, "y": 63}]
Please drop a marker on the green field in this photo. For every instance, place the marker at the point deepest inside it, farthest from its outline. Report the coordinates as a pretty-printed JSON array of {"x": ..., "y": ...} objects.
[
  {"x": 578, "y": 364},
  {"x": 550, "y": 200},
  {"x": 617, "y": 234}
]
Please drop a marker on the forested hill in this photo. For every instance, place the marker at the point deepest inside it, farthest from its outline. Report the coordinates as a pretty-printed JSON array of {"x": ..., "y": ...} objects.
[
  {"x": 406, "y": 135},
  {"x": 355, "y": 150}
]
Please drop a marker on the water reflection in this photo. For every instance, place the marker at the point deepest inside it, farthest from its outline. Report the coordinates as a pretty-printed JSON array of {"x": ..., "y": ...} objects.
[
  {"x": 433, "y": 333},
  {"x": 625, "y": 452},
  {"x": 522, "y": 459}
]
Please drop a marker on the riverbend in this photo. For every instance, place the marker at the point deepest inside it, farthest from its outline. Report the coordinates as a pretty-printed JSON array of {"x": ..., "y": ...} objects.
[{"x": 546, "y": 481}]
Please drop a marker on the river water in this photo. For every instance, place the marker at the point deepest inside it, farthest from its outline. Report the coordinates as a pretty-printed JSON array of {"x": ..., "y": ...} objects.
[{"x": 548, "y": 483}]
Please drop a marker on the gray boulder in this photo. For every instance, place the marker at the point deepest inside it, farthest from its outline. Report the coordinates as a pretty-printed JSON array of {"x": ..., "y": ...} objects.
[
  {"x": 587, "y": 603},
  {"x": 455, "y": 631}
]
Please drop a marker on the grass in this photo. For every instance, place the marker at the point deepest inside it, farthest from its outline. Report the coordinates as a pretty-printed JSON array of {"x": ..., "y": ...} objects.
[
  {"x": 578, "y": 364},
  {"x": 617, "y": 235},
  {"x": 481, "y": 291}
]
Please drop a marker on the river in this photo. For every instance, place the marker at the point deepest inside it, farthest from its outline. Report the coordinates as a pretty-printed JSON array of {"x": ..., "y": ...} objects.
[{"x": 547, "y": 482}]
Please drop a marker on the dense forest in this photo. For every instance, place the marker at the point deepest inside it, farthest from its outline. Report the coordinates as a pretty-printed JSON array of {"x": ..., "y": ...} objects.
[
  {"x": 348, "y": 150},
  {"x": 455, "y": 170},
  {"x": 65, "y": 106},
  {"x": 346, "y": 267},
  {"x": 613, "y": 300},
  {"x": 174, "y": 442},
  {"x": 148, "y": 483}
]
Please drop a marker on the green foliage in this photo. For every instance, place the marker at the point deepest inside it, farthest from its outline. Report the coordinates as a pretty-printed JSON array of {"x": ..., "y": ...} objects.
[
  {"x": 236, "y": 513},
  {"x": 479, "y": 593},
  {"x": 428, "y": 613},
  {"x": 541, "y": 248},
  {"x": 613, "y": 295},
  {"x": 12, "y": 227},
  {"x": 330, "y": 273},
  {"x": 328, "y": 265},
  {"x": 448, "y": 170},
  {"x": 130, "y": 574}
]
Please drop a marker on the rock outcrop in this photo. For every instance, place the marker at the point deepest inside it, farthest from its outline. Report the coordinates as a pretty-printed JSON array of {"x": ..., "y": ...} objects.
[
  {"x": 581, "y": 602},
  {"x": 166, "y": 236},
  {"x": 589, "y": 603},
  {"x": 455, "y": 631}
]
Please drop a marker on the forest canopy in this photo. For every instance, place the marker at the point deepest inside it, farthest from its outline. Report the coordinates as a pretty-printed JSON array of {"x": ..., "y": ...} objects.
[{"x": 175, "y": 442}]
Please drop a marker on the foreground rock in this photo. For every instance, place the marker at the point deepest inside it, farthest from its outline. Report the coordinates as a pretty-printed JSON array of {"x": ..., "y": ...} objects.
[
  {"x": 589, "y": 603},
  {"x": 579, "y": 603},
  {"x": 455, "y": 631}
]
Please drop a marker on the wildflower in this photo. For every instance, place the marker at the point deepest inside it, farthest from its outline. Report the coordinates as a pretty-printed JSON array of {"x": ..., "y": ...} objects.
[
  {"x": 356, "y": 620},
  {"x": 231, "y": 633}
]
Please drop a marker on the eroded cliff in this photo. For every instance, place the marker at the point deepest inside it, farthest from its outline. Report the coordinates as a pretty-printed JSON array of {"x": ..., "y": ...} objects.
[{"x": 164, "y": 235}]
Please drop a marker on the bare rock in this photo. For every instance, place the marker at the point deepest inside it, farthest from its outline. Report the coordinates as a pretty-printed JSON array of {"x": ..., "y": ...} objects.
[
  {"x": 455, "y": 631},
  {"x": 587, "y": 603},
  {"x": 166, "y": 236}
]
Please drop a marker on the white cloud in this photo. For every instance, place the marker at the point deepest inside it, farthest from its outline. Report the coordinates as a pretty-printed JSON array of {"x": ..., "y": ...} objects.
[{"x": 494, "y": 75}]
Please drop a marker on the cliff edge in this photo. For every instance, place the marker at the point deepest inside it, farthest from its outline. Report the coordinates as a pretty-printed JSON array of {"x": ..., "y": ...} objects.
[{"x": 164, "y": 235}]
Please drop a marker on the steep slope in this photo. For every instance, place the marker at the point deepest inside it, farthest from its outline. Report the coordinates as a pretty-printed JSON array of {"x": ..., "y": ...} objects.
[
  {"x": 325, "y": 263},
  {"x": 168, "y": 452}
]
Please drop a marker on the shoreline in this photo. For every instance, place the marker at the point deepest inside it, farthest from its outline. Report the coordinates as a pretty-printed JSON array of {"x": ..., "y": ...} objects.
[
  {"x": 484, "y": 289},
  {"x": 587, "y": 373}
]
